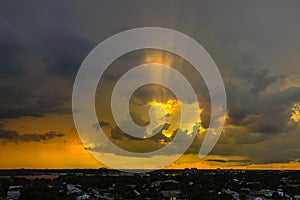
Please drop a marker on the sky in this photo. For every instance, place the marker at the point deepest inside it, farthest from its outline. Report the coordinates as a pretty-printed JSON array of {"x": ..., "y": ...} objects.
[{"x": 255, "y": 44}]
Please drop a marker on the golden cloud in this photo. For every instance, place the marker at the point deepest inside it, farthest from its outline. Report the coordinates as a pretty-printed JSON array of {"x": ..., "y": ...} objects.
[{"x": 295, "y": 115}]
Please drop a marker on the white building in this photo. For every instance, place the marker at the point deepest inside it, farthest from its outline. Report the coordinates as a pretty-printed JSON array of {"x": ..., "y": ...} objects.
[{"x": 14, "y": 192}]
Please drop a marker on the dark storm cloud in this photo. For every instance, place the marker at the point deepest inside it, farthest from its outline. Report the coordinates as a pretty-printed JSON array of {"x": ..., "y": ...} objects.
[
  {"x": 259, "y": 147},
  {"x": 11, "y": 49},
  {"x": 18, "y": 95},
  {"x": 117, "y": 134},
  {"x": 258, "y": 80},
  {"x": 13, "y": 136},
  {"x": 37, "y": 66},
  {"x": 267, "y": 113},
  {"x": 146, "y": 94},
  {"x": 18, "y": 100},
  {"x": 64, "y": 52},
  {"x": 130, "y": 143},
  {"x": 104, "y": 124}
]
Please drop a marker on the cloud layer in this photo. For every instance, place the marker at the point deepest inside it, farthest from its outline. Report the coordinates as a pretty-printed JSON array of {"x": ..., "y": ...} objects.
[{"x": 13, "y": 136}]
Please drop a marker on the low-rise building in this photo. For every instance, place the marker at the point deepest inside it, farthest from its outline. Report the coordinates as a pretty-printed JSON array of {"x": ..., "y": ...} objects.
[{"x": 14, "y": 192}]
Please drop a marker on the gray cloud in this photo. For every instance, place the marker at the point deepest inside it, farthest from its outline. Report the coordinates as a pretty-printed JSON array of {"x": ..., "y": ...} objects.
[
  {"x": 118, "y": 134},
  {"x": 228, "y": 161},
  {"x": 258, "y": 79},
  {"x": 13, "y": 136},
  {"x": 63, "y": 51},
  {"x": 265, "y": 113},
  {"x": 37, "y": 70},
  {"x": 11, "y": 49},
  {"x": 260, "y": 148}
]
